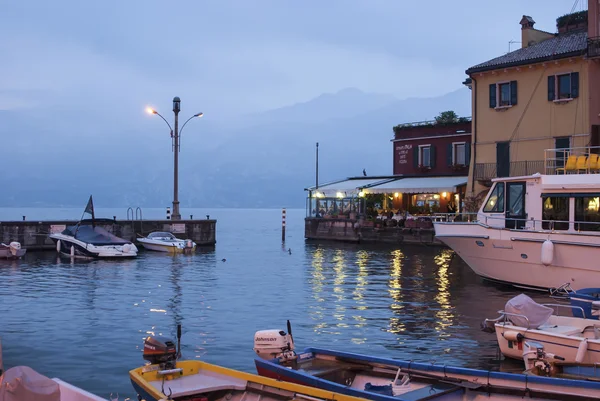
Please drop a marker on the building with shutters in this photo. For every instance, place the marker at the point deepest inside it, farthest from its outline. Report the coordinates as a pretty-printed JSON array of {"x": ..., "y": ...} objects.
[{"x": 535, "y": 98}]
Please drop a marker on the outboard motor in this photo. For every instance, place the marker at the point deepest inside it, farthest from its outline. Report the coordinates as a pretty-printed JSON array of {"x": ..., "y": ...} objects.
[
  {"x": 275, "y": 344},
  {"x": 536, "y": 358},
  {"x": 15, "y": 247},
  {"x": 160, "y": 351}
]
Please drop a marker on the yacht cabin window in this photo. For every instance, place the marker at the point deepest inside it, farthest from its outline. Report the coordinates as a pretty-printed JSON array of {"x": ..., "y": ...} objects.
[
  {"x": 495, "y": 202},
  {"x": 555, "y": 213},
  {"x": 587, "y": 215}
]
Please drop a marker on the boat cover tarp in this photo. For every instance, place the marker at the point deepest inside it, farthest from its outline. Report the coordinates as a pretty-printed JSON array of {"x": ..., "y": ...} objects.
[
  {"x": 22, "y": 383},
  {"x": 524, "y": 306},
  {"x": 94, "y": 235}
]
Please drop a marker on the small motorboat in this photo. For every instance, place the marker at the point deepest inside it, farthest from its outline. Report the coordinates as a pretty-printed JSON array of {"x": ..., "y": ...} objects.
[
  {"x": 383, "y": 379},
  {"x": 168, "y": 378},
  {"x": 163, "y": 241},
  {"x": 575, "y": 339},
  {"x": 12, "y": 250},
  {"x": 87, "y": 239},
  {"x": 586, "y": 301}
]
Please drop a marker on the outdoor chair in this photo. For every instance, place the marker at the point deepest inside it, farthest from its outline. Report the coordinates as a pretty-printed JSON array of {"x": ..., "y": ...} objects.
[
  {"x": 592, "y": 163},
  {"x": 570, "y": 165},
  {"x": 581, "y": 164}
]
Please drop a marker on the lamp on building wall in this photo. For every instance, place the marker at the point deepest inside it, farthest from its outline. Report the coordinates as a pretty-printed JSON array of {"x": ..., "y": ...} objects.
[{"x": 444, "y": 194}]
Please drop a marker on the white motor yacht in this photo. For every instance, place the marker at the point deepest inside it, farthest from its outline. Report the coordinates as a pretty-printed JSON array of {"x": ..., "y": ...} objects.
[
  {"x": 162, "y": 241},
  {"x": 538, "y": 231}
]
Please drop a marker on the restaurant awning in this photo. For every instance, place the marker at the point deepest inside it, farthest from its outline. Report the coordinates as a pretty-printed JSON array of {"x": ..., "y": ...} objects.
[
  {"x": 417, "y": 185},
  {"x": 349, "y": 187}
]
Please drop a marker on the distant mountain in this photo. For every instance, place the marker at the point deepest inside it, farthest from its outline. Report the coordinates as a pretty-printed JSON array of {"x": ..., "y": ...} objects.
[{"x": 262, "y": 160}]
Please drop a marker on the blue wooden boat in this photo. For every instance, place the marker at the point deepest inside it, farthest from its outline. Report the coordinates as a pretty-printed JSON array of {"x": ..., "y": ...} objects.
[
  {"x": 384, "y": 379},
  {"x": 588, "y": 299}
]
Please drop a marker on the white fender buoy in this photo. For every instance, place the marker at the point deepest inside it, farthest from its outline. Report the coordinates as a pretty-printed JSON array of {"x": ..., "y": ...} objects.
[
  {"x": 547, "y": 252},
  {"x": 511, "y": 335},
  {"x": 58, "y": 246},
  {"x": 72, "y": 250},
  {"x": 581, "y": 351},
  {"x": 126, "y": 248}
]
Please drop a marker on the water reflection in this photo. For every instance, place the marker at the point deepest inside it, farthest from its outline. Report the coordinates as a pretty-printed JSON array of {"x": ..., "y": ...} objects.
[{"x": 395, "y": 290}]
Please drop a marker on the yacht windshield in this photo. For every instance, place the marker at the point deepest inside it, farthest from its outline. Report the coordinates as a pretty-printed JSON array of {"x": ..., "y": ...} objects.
[
  {"x": 495, "y": 203},
  {"x": 161, "y": 234}
]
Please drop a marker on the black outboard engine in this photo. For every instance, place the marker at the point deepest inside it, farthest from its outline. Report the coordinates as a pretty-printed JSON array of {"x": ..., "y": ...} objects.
[{"x": 160, "y": 350}]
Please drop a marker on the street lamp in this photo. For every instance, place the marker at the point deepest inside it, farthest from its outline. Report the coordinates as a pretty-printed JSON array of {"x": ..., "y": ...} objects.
[{"x": 175, "y": 135}]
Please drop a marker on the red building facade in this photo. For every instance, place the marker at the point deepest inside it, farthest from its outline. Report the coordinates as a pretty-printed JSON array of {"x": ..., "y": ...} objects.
[{"x": 430, "y": 149}]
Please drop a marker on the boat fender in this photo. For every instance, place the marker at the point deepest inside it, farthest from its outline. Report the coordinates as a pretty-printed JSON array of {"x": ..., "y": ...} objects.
[
  {"x": 511, "y": 335},
  {"x": 581, "y": 351},
  {"x": 58, "y": 246},
  {"x": 72, "y": 250},
  {"x": 547, "y": 252},
  {"x": 126, "y": 248}
]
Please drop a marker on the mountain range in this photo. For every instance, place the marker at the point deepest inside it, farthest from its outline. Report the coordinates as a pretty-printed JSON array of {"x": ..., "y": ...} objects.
[{"x": 258, "y": 160}]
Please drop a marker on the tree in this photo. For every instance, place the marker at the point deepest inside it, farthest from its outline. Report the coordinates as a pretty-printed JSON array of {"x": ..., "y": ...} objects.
[{"x": 447, "y": 117}]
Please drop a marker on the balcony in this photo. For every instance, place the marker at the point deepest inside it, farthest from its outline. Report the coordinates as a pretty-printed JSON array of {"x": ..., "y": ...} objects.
[
  {"x": 593, "y": 47},
  {"x": 484, "y": 172}
]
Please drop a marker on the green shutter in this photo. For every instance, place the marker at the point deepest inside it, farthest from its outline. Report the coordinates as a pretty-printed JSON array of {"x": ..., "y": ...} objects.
[
  {"x": 513, "y": 93},
  {"x": 574, "y": 85},
  {"x": 449, "y": 154},
  {"x": 416, "y": 156},
  {"x": 432, "y": 156},
  {"x": 551, "y": 88},
  {"x": 467, "y": 153},
  {"x": 492, "y": 96}
]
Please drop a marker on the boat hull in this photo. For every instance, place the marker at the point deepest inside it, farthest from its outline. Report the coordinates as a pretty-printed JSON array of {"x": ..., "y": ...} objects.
[
  {"x": 90, "y": 251},
  {"x": 6, "y": 253},
  {"x": 515, "y": 256},
  {"x": 566, "y": 389},
  {"x": 170, "y": 247}
]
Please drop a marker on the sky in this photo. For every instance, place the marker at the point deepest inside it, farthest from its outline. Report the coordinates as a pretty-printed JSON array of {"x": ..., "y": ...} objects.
[{"x": 227, "y": 58}]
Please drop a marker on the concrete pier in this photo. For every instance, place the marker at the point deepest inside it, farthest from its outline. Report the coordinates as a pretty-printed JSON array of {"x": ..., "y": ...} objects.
[
  {"x": 347, "y": 230},
  {"x": 33, "y": 235}
]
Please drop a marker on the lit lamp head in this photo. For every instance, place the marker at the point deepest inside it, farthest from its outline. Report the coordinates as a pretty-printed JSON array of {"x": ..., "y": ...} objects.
[
  {"x": 150, "y": 110},
  {"x": 198, "y": 114},
  {"x": 176, "y": 104}
]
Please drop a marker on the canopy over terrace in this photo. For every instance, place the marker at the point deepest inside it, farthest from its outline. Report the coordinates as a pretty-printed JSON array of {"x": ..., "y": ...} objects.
[
  {"x": 347, "y": 188},
  {"x": 417, "y": 185}
]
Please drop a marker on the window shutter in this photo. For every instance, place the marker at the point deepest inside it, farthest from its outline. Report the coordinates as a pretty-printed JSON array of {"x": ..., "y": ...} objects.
[
  {"x": 432, "y": 156},
  {"x": 574, "y": 84},
  {"x": 449, "y": 154},
  {"x": 416, "y": 157},
  {"x": 513, "y": 93},
  {"x": 492, "y": 96},
  {"x": 467, "y": 154},
  {"x": 551, "y": 96}
]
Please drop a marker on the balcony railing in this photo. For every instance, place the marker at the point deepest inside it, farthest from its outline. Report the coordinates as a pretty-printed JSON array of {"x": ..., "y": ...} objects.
[
  {"x": 593, "y": 47},
  {"x": 487, "y": 171},
  {"x": 579, "y": 160}
]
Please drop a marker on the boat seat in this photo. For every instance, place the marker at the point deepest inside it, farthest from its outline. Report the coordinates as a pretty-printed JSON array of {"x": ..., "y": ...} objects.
[
  {"x": 432, "y": 391},
  {"x": 564, "y": 330}
]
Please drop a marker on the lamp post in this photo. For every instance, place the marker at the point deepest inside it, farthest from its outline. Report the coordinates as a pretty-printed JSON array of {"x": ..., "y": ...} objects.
[{"x": 175, "y": 136}]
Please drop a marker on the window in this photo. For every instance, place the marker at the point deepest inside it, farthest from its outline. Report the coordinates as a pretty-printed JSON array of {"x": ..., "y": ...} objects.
[
  {"x": 425, "y": 155},
  {"x": 555, "y": 213},
  {"x": 587, "y": 214},
  {"x": 495, "y": 202},
  {"x": 504, "y": 90},
  {"x": 459, "y": 154},
  {"x": 562, "y": 87},
  {"x": 503, "y": 94}
]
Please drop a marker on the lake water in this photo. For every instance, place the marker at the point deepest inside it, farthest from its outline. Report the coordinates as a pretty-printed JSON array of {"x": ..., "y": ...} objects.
[{"x": 84, "y": 321}]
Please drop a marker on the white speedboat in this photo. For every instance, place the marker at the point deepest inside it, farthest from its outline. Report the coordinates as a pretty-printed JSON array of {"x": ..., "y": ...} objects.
[
  {"x": 12, "y": 250},
  {"x": 523, "y": 321},
  {"x": 162, "y": 241},
  {"x": 89, "y": 240},
  {"x": 534, "y": 231}
]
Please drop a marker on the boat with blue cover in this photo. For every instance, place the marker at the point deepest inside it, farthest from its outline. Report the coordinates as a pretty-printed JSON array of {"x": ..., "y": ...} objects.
[
  {"x": 385, "y": 379},
  {"x": 586, "y": 301}
]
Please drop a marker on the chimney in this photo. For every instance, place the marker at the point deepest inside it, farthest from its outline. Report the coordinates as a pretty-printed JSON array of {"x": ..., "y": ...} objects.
[{"x": 526, "y": 30}]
